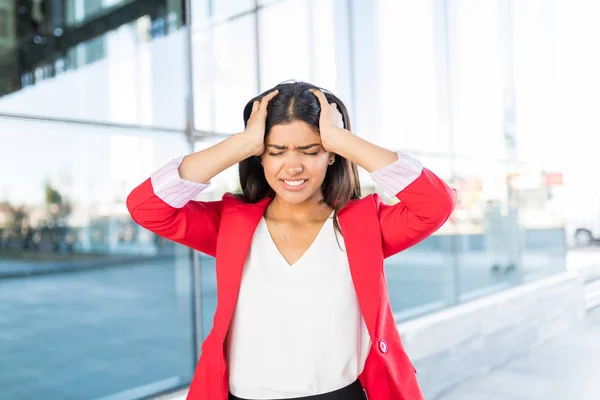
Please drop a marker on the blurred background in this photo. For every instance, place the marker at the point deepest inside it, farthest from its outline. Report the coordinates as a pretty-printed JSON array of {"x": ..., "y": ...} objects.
[{"x": 499, "y": 97}]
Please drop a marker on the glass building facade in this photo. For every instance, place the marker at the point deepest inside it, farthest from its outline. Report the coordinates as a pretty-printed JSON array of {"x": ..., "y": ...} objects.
[{"x": 97, "y": 94}]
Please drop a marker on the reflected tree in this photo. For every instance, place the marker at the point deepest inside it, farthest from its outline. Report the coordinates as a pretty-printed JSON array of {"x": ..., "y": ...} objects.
[{"x": 59, "y": 209}]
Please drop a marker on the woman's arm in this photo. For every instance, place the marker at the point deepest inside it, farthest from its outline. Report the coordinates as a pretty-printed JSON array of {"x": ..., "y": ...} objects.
[
  {"x": 206, "y": 164},
  {"x": 163, "y": 203},
  {"x": 426, "y": 201}
]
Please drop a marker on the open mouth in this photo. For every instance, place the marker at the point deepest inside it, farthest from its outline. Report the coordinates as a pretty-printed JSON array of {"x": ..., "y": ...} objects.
[{"x": 294, "y": 184}]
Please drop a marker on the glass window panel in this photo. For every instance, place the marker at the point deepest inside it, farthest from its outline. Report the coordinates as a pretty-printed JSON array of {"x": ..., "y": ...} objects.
[
  {"x": 576, "y": 89},
  {"x": 407, "y": 78},
  {"x": 314, "y": 48},
  {"x": 421, "y": 279},
  {"x": 199, "y": 13},
  {"x": 330, "y": 48},
  {"x": 81, "y": 11},
  {"x": 92, "y": 305},
  {"x": 477, "y": 60},
  {"x": 119, "y": 77},
  {"x": 488, "y": 234},
  {"x": 223, "y": 9},
  {"x": 266, "y": 2},
  {"x": 543, "y": 111},
  {"x": 224, "y": 75},
  {"x": 207, "y": 11},
  {"x": 538, "y": 196},
  {"x": 285, "y": 51}
]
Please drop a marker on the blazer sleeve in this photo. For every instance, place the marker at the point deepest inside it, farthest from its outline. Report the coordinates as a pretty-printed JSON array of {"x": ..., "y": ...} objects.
[
  {"x": 163, "y": 204},
  {"x": 426, "y": 202}
]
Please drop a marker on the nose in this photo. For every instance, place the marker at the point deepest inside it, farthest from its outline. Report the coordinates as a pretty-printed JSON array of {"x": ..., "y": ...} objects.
[
  {"x": 293, "y": 165},
  {"x": 293, "y": 169}
]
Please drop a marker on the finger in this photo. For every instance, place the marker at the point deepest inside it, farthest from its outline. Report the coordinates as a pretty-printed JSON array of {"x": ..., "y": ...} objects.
[
  {"x": 266, "y": 99},
  {"x": 339, "y": 117},
  {"x": 255, "y": 105},
  {"x": 321, "y": 96}
]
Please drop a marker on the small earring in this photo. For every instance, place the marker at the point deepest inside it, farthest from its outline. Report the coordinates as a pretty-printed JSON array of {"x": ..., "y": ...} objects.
[{"x": 331, "y": 161}]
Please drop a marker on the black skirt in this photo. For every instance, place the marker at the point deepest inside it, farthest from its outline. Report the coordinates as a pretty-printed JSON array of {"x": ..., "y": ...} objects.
[{"x": 354, "y": 391}]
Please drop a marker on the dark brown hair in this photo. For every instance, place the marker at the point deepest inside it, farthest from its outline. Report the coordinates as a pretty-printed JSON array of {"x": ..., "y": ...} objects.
[{"x": 296, "y": 103}]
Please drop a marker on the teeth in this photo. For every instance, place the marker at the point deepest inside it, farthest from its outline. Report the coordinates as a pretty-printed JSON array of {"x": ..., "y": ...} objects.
[{"x": 294, "y": 183}]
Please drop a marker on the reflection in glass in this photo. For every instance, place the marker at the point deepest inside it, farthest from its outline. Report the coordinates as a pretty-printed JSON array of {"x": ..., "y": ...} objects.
[
  {"x": 224, "y": 75},
  {"x": 421, "y": 279},
  {"x": 489, "y": 238},
  {"x": 478, "y": 62},
  {"x": 92, "y": 305},
  {"x": 46, "y": 48},
  {"x": 313, "y": 46},
  {"x": 538, "y": 197},
  {"x": 78, "y": 12},
  {"x": 285, "y": 50},
  {"x": 406, "y": 77},
  {"x": 205, "y": 12}
]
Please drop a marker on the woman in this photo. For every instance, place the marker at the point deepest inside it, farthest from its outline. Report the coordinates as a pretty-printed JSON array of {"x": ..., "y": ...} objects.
[{"x": 303, "y": 310}]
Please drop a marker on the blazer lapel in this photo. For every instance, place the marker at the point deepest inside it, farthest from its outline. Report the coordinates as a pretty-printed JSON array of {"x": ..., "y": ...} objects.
[
  {"x": 238, "y": 223},
  {"x": 362, "y": 237}
]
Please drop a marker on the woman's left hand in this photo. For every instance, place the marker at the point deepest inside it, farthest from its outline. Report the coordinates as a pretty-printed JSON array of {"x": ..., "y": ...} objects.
[{"x": 331, "y": 123}]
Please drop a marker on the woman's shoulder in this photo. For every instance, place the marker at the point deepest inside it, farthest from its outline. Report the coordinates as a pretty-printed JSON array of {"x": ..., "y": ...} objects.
[
  {"x": 361, "y": 205},
  {"x": 231, "y": 199},
  {"x": 374, "y": 198}
]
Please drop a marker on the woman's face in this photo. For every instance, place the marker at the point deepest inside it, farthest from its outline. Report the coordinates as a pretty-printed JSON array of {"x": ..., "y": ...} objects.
[{"x": 294, "y": 161}]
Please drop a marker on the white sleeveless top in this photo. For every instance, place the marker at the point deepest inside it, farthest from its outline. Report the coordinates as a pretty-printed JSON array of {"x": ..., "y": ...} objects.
[{"x": 297, "y": 330}]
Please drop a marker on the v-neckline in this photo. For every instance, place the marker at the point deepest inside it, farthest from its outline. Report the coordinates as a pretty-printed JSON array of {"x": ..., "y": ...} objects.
[{"x": 305, "y": 253}]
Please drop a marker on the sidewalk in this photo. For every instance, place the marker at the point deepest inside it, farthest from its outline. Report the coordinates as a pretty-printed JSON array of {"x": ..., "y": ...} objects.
[{"x": 566, "y": 367}]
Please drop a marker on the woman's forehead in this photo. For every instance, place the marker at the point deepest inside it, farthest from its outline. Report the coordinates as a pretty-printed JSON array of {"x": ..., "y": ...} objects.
[{"x": 297, "y": 133}]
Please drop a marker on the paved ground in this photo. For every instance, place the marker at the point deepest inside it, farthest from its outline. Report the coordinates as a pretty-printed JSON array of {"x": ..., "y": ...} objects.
[
  {"x": 564, "y": 368},
  {"x": 93, "y": 333}
]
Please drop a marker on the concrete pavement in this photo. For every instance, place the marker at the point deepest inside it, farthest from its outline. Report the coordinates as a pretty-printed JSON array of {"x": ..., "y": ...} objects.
[{"x": 566, "y": 367}]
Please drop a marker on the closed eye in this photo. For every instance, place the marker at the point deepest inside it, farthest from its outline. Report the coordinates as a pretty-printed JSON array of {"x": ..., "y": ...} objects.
[{"x": 308, "y": 154}]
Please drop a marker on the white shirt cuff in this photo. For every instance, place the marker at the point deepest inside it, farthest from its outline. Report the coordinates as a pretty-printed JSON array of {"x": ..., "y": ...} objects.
[
  {"x": 395, "y": 177},
  {"x": 171, "y": 188}
]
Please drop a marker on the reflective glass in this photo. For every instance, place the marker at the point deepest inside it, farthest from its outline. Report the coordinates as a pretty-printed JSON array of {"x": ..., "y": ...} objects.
[
  {"x": 205, "y": 12},
  {"x": 91, "y": 304},
  {"x": 224, "y": 74},
  {"x": 488, "y": 234},
  {"x": 538, "y": 200},
  {"x": 478, "y": 79},
  {"x": 421, "y": 279},
  {"x": 405, "y": 75},
  {"x": 128, "y": 75},
  {"x": 285, "y": 46},
  {"x": 313, "y": 46}
]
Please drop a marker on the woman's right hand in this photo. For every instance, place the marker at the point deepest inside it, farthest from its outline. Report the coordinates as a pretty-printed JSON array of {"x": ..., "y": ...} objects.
[{"x": 255, "y": 128}]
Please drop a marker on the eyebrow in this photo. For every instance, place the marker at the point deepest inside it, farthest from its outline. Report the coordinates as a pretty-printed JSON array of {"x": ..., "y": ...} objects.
[{"x": 306, "y": 147}]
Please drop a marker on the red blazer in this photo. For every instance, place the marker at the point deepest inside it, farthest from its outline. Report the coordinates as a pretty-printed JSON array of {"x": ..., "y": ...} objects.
[{"x": 372, "y": 231}]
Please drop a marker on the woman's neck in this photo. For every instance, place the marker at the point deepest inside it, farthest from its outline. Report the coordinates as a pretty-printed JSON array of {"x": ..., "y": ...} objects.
[{"x": 311, "y": 209}]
